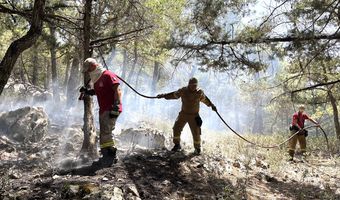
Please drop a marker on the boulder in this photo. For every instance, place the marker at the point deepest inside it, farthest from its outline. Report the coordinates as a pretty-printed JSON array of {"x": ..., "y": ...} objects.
[
  {"x": 142, "y": 138},
  {"x": 24, "y": 124}
]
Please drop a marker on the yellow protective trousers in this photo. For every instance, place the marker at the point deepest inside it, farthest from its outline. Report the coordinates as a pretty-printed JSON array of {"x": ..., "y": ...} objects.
[
  {"x": 107, "y": 125},
  {"x": 180, "y": 122},
  {"x": 293, "y": 141}
]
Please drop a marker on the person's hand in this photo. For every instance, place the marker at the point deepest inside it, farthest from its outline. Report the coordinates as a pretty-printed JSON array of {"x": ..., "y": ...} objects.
[
  {"x": 160, "y": 96},
  {"x": 82, "y": 89},
  {"x": 213, "y": 107}
]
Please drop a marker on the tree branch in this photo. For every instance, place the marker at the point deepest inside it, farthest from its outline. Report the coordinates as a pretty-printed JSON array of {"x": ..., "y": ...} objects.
[
  {"x": 315, "y": 86},
  {"x": 271, "y": 14},
  {"x": 119, "y": 35},
  {"x": 308, "y": 37}
]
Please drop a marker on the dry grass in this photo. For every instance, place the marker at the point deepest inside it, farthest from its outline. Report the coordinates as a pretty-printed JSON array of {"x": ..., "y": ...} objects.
[{"x": 233, "y": 147}]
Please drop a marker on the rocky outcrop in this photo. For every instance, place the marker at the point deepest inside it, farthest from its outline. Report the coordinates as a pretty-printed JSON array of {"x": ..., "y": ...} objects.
[{"x": 24, "y": 124}]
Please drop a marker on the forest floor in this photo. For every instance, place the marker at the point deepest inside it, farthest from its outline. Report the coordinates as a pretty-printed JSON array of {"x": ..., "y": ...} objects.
[{"x": 227, "y": 169}]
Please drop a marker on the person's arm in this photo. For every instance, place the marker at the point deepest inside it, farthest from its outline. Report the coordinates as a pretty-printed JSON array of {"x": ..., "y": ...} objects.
[
  {"x": 87, "y": 91},
  {"x": 312, "y": 120},
  {"x": 204, "y": 99},
  {"x": 172, "y": 95},
  {"x": 117, "y": 92}
]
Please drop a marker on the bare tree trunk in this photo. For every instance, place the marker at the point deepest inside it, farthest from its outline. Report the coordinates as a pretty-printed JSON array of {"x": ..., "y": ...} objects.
[
  {"x": 155, "y": 77},
  {"x": 67, "y": 72},
  {"x": 132, "y": 71},
  {"x": 335, "y": 113},
  {"x": 53, "y": 51},
  {"x": 111, "y": 57},
  {"x": 23, "y": 72},
  {"x": 135, "y": 60},
  {"x": 21, "y": 44},
  {"x": 89, "y": 147},
  {"x": 47, "y": 83},
  {"x": 35, "y": 63},
  {"x": 71, "y": 90},
  {"x": 125, "y": 62},
  {"x": 258, "y": 120}
]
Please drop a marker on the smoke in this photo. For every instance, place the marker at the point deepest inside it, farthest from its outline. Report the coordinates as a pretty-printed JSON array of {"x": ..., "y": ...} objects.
[{"x": 221, "y": 88}]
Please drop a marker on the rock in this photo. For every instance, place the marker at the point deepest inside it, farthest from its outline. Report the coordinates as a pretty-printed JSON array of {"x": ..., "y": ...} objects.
[
  {"x": 337, "y": 192},
  {"x": 131, "y": 197},
  {"x": 166, "y": 183},
  {"x": 117, "y": 194},
  {"x": 55, "y": 177},
  {"x": 14, "y": 175},
  {"x": 89, "y": 188},
  {"x": 132, "y": 189},
  {"x": 42, "y": 96},
  {"x": 237, "y": 164},
  {"x": 68, "y": 147},
  {"x": 270, "y": 178},
  {"x": 24, "y": 124},
  {"x": 109, "y": 192},
  {"x": 74, "y": 189},
  {"x": 261, "y": 164},
  {"x": 143, "y": 138}
]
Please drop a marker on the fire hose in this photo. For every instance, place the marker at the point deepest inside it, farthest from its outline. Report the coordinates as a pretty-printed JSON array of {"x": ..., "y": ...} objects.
[
  {"x": 236, "y": 133},
  {"x": 225, "y": 123},
  {"x": 276, "y": 145}
]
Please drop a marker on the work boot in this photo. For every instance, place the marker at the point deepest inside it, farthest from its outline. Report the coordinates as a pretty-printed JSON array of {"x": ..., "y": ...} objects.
[
  {"x": 197, "y": 151},
  {"x": 176, "y": 148},
  {"x": 108, "y": 157}
]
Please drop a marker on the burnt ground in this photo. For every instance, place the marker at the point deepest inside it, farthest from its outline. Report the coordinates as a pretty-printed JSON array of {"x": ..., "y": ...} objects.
[{"x": 30, "y": 171}]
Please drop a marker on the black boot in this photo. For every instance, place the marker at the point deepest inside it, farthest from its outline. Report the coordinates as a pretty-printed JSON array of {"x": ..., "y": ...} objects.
[
  {"x": 108, "y": 157},
  {"x": 197, "y": 151},
  {"x": 176, "y": 148}
]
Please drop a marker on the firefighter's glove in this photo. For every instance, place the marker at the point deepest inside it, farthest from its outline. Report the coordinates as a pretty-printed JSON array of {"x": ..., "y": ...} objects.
[
  {"x": 213, "y": 107},
  {"x": 114, "y": 113},
  {"x": 86, "y": 91},
  {"x": 160, "y": 96}
]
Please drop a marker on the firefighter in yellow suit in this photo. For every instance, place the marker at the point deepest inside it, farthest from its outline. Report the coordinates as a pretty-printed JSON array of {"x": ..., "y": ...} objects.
[{"x": 191, "y": 97}]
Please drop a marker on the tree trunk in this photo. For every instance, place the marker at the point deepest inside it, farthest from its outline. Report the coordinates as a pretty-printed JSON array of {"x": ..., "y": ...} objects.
[
  {"x": 258, "y": 120},
  {"x": 111, "y": 57},
  {"x": 335, "y": 113},
  {"x": 21, "y": 44},
  {"x": 53, "y": 51},
  {"x": 72, "y": 90},
  {"x": 47, "y": 83},
  {"x": 132, "y": 71},
  {"x": 135, "y": 52},
  {"x": 35, "y": 63},
  {"x": 125, "y": 62},
  {"x": 89, "y": 147},
  {"x": 67, "y": 72},
  {"x": 155, "y": 77},
  {"x": 23, "y": 72}
]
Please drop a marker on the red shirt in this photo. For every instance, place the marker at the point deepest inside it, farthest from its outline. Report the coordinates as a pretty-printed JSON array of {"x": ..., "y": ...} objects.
[
  {"x": 300, "y": 119},
  {"x": 104, "y": 91}
]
